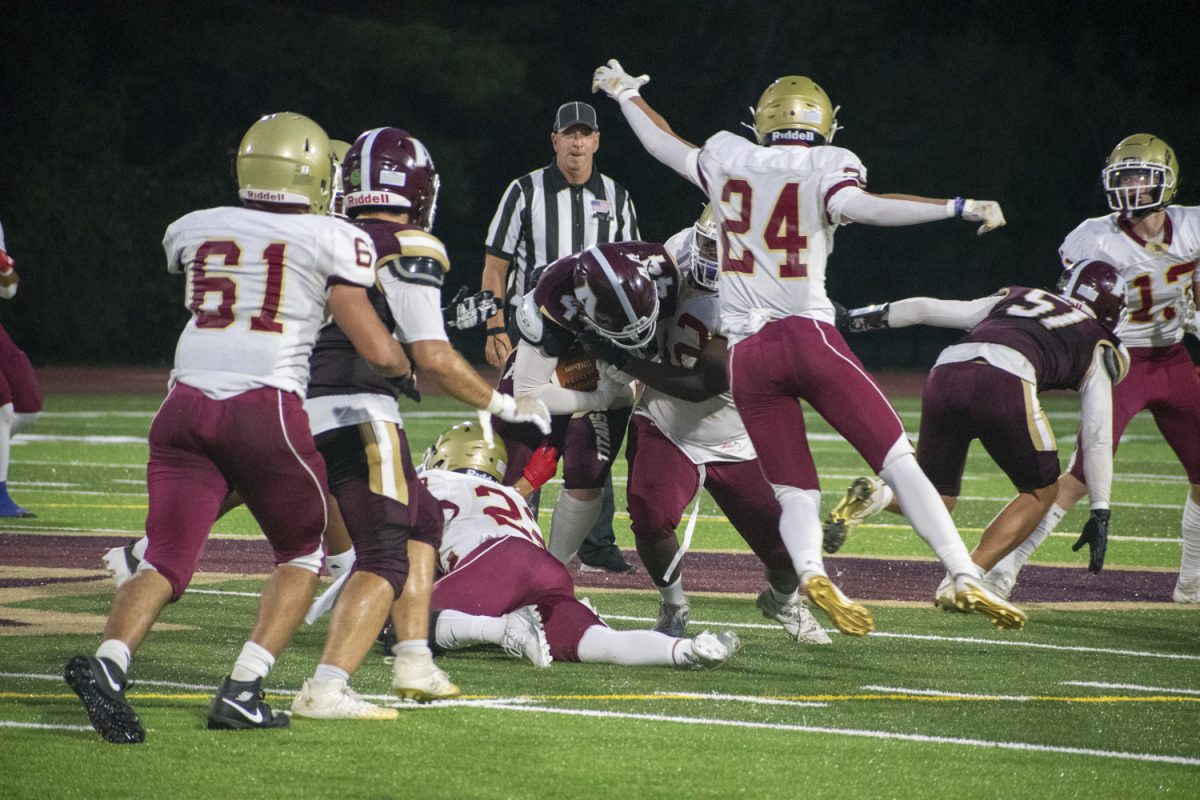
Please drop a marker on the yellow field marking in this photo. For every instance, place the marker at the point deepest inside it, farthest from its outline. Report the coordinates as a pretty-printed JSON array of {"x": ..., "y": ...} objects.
[{"x": 799, "y": 698}]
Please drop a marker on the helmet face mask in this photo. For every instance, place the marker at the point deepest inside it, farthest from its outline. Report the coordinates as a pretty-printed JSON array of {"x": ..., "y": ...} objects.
[
  {"x": 463, "y": 448},
  {"x": 1098, "y": 288},
  {"x": 386, "y": 169},
  {"x": 1141, "y": 174},
  {"x": 706, "y": 268},
  {"x": 617, "y": 296},
  {"x": 337, "y": 202},
  {"x": 286, "y": 160},
  {"x": 795, "y": 109}
]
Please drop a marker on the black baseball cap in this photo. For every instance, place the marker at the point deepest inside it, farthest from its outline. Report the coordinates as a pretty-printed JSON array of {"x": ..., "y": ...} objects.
[{"x": 575, "y": 113}]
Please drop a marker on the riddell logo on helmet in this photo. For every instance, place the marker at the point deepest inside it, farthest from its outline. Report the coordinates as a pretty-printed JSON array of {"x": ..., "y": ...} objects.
[
  {"x": 265, "y": 196},
  {"x": 794, "y": 134},
  {"x": 373, "y": 199}
]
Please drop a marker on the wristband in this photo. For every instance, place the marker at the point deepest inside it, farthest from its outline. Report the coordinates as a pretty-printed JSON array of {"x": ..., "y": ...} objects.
[
  {"x": 496, "y": 404},
  {"x": 497, "y": 331},
  {"x": 959, "y": 203}
]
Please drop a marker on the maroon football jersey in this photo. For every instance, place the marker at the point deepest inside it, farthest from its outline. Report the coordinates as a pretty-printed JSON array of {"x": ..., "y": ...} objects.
[
  {"x": 1057, "y": 338},
  {"x": 335, "y": 366}
]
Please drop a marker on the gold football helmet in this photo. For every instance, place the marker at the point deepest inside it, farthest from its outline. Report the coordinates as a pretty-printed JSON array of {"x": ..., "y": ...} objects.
[
  {"x": 706, "y": 270},
  {"x": 1141, "y": 174},
  {"x": 795, "y": 108},
  {"x": 337, "y": 200},
  {"x": 286, "y": 159},
  {"x": 462, "y": 448}
]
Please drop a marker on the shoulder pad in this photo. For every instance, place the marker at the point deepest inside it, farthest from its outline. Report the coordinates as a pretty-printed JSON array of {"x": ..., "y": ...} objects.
[
  {"x": 422, "y": 270},
  {"x": 416, "y": 242},
  {"x": 530, "y": 323}
]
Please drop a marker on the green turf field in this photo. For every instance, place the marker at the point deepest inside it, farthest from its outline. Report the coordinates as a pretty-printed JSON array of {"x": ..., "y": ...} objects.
[{"x": 1085, "y": 702}]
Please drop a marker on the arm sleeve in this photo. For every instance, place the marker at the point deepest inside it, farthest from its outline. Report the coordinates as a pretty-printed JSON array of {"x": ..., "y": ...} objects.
[
  {"x": 672, "y": 152},
  {"x": 417, "y": 309},
  {"x": 532, "y": 375},
  {"x": 1095, "y": 431},
  {"x": 852, "y": 204},
  {"x": 962, "y": 314}
]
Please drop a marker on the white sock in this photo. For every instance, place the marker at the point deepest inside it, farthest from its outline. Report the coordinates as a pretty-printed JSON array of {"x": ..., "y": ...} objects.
[
  {"x": 328, "y": 672},
  {"x": 926, "y": 512},
  {"x": 23, "y": 421},
  {"x": 1013, "y": 562},
  {"x": 6, "y": 420},
  {"x": 115, "y": 651},
  {"x": 338, "y": 563},
  {"x": 673, "y": 593},
  {"x": 783, "y": 598},
  {"x": 455, "y": 629},
  {"x": 139, "y": 548},
  {"x": 412, "y": 648},
  {"x": 602, "y": 645},
  {"x": 255, "y": 661},
  {"x": 573, "y": 520},
  {"x": 800, "y": 528},
  {"x": 1189, "y": 563}
]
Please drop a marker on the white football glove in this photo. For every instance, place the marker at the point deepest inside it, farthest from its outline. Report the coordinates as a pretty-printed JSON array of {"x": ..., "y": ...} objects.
[
  {"x": 612, "y": 394},
  {"x": 986, "y": 211},
  {"x": 520, "y": 409},
  {"x": 615, "y": 82}
]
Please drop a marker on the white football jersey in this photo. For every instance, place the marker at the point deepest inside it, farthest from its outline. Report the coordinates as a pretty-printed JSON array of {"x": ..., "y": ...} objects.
[
  {"x": 710, "y": 430},
  {"x": 1159, "y": 275},
  {"x": 477, "y": 510},
  {"x": 776, "y": 233},
  {"x": 257, "y": 283}
]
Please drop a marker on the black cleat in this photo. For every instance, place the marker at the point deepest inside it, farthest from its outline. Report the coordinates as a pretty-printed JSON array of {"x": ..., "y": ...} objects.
[
  {"x": 100, "y": 685},
  {"x": 239, "y": 705}
]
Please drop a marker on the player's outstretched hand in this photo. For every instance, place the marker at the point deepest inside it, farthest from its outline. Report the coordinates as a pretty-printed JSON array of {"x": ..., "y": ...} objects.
[
  {"x": 542, "y": 466},
  {"x": 1095, "y": 536},
  {"x": 468, "y": 311},
  {"x": 614, "y": 81},
  {"x": 986, "y": 211},
  {"x": 520, "y": 409}
]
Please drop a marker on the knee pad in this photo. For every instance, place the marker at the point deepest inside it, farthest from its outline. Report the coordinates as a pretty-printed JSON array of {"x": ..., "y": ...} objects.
[
  {"x": 309, "y": 561},
  {"x": 902, "y": 447}
]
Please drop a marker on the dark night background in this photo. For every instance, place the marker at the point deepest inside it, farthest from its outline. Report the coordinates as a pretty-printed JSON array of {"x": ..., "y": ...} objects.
[{"x": 116, "y": 118}]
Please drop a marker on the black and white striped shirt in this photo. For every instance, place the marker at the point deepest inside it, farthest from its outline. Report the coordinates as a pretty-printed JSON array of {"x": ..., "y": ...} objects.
[{"x": 542, "y": 218}]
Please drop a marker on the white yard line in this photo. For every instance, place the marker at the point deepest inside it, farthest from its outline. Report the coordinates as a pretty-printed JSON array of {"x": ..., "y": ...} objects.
[
  {"x": 1133, "y": 687},
  {"x": 744, "y": 698},
  {"x": 857, "y": 732},
  {"x": 42, "y": 726},
  {"x": 1016, "y": 698}
]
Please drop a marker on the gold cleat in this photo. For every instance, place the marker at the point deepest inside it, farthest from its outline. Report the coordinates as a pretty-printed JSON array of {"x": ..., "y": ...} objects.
[
  {"x": 418, "y": 678},
  {"x": 972, "y": 596},
  {"x": 849, "y": 617},
  {"x": 861, "y": 501}
]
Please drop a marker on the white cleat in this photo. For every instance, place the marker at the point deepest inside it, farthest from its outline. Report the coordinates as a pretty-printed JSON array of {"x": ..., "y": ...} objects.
[
  {"x": 524, "y": 636},
  {"x": 416, "y": 677},
  {"x": 334, "y": 699},
  {"x": 945, "y": 597},
  {"x": 1187, "y": 590},
  {"x": 121, "y": 563},
  {"x": 973, "y": 595},
  {"x": 672, "y": 619},
  {"x": 794, "y": 616},
  {"x": 1001, "y": 583},
  {"x": 709, "y": 651}
]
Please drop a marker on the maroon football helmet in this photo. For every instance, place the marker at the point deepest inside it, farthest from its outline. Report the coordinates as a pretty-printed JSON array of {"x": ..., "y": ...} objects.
[
  {"x": 1097, "y": 286},
  {"x": 616, "y": 285},
  {"x": 387, "y": 169}
]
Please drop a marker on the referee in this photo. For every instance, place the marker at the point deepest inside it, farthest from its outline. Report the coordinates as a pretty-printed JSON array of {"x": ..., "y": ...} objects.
[{"x": 555, "y": 211}]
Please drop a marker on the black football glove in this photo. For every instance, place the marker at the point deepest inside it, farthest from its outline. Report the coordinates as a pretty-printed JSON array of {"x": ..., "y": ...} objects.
[
  {"x": 1095, "y": 536},
  {"x": 468, "y": 311},
  {"x": 603, "y": 349},
  {"x": 841, "y": 317},
  {"x": 407, "y": 386}
]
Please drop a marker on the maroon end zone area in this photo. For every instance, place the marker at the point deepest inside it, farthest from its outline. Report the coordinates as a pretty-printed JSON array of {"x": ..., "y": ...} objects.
[{"x": 861, "y": 578}]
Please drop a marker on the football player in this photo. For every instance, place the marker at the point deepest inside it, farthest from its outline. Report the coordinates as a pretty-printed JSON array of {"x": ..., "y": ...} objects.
[
  {"x": 390, "y": 188},
  {"x": 619, "y": 290},
  {"x": 1154, "y": 245},
  {"x": 20, "y": 393},
  {"x": 777, "y": 204},
  {"x": 686, "y": 433},
  {"x": 500, "y": 585},
  {"x": 259, "y": 278},
  {"x": 1020, "y": 341}
]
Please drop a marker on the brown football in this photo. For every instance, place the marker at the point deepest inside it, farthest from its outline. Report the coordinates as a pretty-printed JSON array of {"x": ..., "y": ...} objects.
[{"x": 577, "y": 370}]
